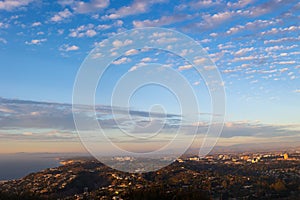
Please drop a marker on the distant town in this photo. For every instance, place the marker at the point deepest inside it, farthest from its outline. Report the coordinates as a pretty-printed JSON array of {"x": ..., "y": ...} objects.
[{"x": 268, "y": 175}]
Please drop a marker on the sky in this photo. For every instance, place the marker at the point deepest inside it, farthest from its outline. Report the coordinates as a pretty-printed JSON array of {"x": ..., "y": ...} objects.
[{"x": 254, "y": 45}]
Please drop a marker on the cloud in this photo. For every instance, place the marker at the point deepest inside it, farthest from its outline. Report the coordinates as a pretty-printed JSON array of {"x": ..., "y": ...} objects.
[
  {"x": 131, "y": 52},
  {"x": 164, "y": 20},
  {"x": 203, "y": 4},
  {"x": 21, "y": 114},
  {"x": 119, "y": 43},
  {"x": 10, "y": 5},
  {"x": 281, "y": 40},
  {"x": 257, "y": 24},
  {"x": 146, "y": 59},
  {"x": 54, "y": 121},
  {"x": 137, "y": 66},
  {"x": 290, "y": 62},
  {"x": 60, "y": 16},
  {"x": 279, "y": 48},
  {"x": 240, "y": 3},
  {"x": 36, "y": 24},
  {"x": 185, "y": 67},
  {"x": 281, "y": 30},
  {"x": 91, "y": 6},
  {"x": 4, "y": 25},
  {"x": 121, "y": 61},
  {"x": 199, "y": 61},
  {"x": 137, "y": 7},
  {"x": 67, "y": 48},
  {"x": 35, "y": 41},
  {"x": 268, "y": 7},
  {"x": 297, "y": 91},
  {"x": 245, "y": 58},
  {"x": 216, "y": 19},
  {"x": 83, "y": 31},
  {"x": 2, "y": 40},
  {"x": 243, "y": 51},
  {"x": 258, "y": 130}
]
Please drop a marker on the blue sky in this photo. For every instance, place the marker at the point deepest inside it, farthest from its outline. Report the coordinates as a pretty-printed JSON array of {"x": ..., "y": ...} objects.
[{"x": 254, "y": 44}]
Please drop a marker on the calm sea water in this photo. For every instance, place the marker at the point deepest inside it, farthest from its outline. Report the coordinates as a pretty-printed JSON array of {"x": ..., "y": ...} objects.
[{"x": 15, "y": 166}]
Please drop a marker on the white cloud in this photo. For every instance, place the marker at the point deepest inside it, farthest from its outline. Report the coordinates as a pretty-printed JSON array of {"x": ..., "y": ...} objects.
[
  {"x": 297, "y": 91},
  {"x": 147, "y": 59},
  {"x": 285, "y": 62},
  {"x": 61, "y": 15},
  {"x": 164, "y": 20},
  {"x": 280, "y": 40},
  {"x": 199, "y": 61},
  {"x": 103, "y": 26},
  {"x": 131, "y": 52},
  {"x": 252, "y": 26},
  {"x": 10, "y": 5},
  {"x": 227, "y": 71},
  {"x": 185, "y": 67},
  {"x": 267, "y": 7},
  {"x": 121, "y": 61},
  {"x": 196, "y": 83},
  {"x": 82, "y": 31},
  {"x": 203, "y": 4},
  {"x": 67, "y": 48},
  {"x": 35, "y": 41},
  {"x": 91, "y": 6},
  {"x": 119, "y": 43},
  {"x": 283, "y": 70},
  {"x": 246, "y": 58},
  {"x": 281, "y": 30},
  {"x": 209, "y": 67},
  {"x": 137, "y": 7},
  {"x": 90, "y": 33},
  {"x": 213, "y": 34},
  {"x": 243, "y": 51},
  {"x": 240, "y": 3},
  {"x": 137, "y": 66},
  {"x": 3, "y": 25},
  {"x": 36, "y": 24}
]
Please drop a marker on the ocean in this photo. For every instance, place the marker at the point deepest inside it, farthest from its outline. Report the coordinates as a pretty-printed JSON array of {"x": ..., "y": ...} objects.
[{"x": 15, "y": 166}]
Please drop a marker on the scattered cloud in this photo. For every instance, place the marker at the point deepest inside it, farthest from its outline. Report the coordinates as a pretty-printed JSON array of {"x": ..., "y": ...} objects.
[
  {"x": 67, "y": 48},
  {"x": 137, "y": 7},
  {"x": 2, "y": 40},
  {"x": 240, "y": 3},
  {"x": 3, "y": 25},
  {"x": 90, "y": 6},
  {"x": 10, "y": 5},
  {"x": 131, "y": 52},
  {"x": 36, "y": 41},
  {"x": 257, "y": 24},
  {"x": 185, "y": 67},
  {"x": 119, "y": 43},
  {"x": 243, "y": 51},
  {"x": 60, "y": 16},
  {"x": 36, "y": 24},
  {"x": 282, "y": 40},
  {"x": 267, "y": 7},
  {"x": 164, "y": 20},
  {"x": 121, "y": 61},
  {"x": 83, "y": 31}
]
